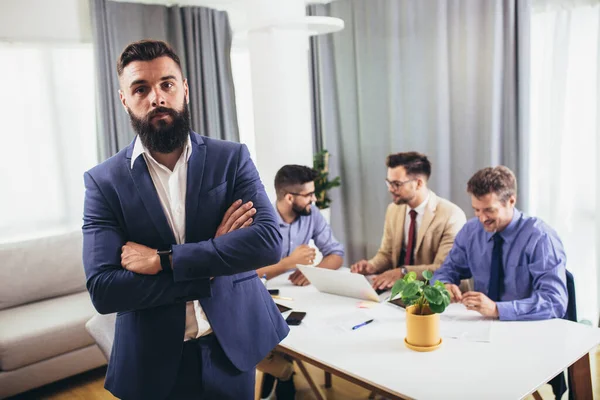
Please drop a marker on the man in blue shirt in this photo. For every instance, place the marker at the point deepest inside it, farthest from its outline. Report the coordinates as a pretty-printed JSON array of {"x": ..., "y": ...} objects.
[
  {"x": 517, "y": 262},
  {"x": 299, "y": 222}
]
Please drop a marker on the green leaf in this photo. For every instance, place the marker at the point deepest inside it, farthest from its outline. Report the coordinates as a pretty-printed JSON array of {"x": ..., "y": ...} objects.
[
  {"x": 410, "y": 277},
  {"x": 398, "y": 287},
  {"x": 427, "y": 275},
  {"x": 410, "y": 300},
  {"x": 420, "y": 284},
  {"x": 437, "y": 308},
  {"x": 433, "y": 295},
  {"x": 446, "y": 297},
  {"x": 439, "y": 284},
  {"x": 410, "y": 290}
]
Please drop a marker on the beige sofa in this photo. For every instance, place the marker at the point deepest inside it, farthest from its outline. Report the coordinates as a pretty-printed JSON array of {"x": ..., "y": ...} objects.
[{"x": 43, "y": 310}]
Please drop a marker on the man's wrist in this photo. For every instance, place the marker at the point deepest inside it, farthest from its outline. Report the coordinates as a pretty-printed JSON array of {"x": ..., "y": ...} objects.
[{"x": 164, "y": 259}]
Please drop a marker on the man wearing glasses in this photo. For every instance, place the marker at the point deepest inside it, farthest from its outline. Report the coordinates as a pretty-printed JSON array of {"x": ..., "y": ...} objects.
[
  {"x": 419, "y": 228},
  {"x": 299, "y": 222}
]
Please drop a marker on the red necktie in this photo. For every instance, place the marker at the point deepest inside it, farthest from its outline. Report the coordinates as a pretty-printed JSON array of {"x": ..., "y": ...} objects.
[{"x": 409, "y": 257}]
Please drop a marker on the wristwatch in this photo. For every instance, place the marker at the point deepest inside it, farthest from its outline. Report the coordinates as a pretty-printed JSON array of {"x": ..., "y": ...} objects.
[
  {"x": 404, "y": 270},
  {"x": 165, "y": 261}
]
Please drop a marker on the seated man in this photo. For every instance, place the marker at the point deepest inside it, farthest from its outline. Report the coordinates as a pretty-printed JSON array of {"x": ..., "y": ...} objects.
[
  {"x": 299, "y": 222},
  {"x": 517, "y": 262},
  {"x": 419, "y": 226}
]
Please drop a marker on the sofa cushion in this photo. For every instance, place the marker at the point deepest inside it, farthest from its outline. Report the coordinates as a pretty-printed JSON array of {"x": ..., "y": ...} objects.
[
  {"x": 40, "y": 269},
  {"x": 38, "y": 331}
]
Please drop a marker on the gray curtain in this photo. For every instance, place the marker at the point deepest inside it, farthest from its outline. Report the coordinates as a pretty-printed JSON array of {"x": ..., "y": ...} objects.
[
  {"x": 443, "y": 77},
  {"x": 202, "y": 39}
]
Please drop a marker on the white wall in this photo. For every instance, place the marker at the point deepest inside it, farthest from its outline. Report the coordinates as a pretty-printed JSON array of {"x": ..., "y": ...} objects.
[{"x": 45, "y": 20}]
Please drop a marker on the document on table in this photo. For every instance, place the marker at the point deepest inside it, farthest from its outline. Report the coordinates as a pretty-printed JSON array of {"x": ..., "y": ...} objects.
[
  {"x": 343, "y": 323},
  {"x": 466, "y": 325}
]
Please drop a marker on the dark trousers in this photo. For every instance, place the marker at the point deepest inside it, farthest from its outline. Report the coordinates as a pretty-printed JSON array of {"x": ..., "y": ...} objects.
[{"x": 205, "y": 373}]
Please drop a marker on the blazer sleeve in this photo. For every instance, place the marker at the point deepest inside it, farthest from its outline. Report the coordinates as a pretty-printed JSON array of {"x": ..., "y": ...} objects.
[
  {"x": 112, "y": 288},
  {"x": 241, "y": 250},
  {"x": 453, "y": 225},
  {"x": 383, "y": 259}
]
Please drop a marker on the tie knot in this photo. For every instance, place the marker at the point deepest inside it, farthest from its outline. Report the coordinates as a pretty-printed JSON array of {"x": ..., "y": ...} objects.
[
  {"x": 498, "y": 239},
  {"x": 413, "y": 214}
]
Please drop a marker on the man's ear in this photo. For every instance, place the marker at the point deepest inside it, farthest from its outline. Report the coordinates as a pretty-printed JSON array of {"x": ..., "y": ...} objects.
[
  {"x": 123, "y": 101},
  {"x": 420, "y": 183},
  {"x": 512, "y": 200},
  {"x": 186, "y": 90}
]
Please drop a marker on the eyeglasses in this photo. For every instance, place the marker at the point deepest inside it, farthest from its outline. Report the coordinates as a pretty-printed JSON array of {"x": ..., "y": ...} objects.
[
  {"x": 396, "y": 184},
  {"x": 307, "y": 195}
]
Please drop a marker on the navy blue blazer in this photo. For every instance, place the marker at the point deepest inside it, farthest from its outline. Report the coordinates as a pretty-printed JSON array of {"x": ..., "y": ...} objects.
[{"x": 121, "y": 204}]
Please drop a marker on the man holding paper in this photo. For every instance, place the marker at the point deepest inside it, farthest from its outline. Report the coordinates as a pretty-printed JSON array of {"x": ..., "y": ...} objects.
[{"x": 517, "y": 262}]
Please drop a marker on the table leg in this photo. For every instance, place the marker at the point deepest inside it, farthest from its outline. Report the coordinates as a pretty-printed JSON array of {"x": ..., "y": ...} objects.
[
  {"x": 581, "y": 377},
  {"x": 327, "y": 380},
  {"x": 315, "y": 388}
]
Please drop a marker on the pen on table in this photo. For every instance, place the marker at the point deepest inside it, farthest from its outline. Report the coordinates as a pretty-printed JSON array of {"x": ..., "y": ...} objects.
[
  {"x": 362, "y": 324},
  {"x": 281, "y": 297}
]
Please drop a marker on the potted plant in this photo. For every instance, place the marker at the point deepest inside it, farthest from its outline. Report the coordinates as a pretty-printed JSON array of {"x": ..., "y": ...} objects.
[
  {"x": 423, "y": 303},
  {"x": 322, "y": 183}
]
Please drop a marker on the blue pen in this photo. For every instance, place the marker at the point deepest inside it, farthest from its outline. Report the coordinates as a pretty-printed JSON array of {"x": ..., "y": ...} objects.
[{"x": 362, "y": 324}]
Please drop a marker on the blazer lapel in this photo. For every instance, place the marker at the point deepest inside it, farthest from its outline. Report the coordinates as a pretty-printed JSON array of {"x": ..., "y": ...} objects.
[
  {"x": 195, "y": 173},
  {"x": 427, "y": 219},
  {"x": 145, "y": 186},
  {"x": 398, "y": 233}
]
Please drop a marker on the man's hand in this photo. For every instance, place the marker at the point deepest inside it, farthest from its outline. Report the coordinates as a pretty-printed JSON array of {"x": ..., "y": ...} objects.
[
  {"x": 303, "y": 255},
  {"x": 455, "y": 294},
  {"x": 387, "y": 279},
  {"x": 237, "y": 216},
  {"x": 481, "y": 303},
  {"x": 140, "y": 259},
  {"x": 363, "y": 267},
  {"x": 298, "y": 279}
]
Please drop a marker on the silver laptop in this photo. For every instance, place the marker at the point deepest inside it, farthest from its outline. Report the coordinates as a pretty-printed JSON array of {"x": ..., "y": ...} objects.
[{"x": 341, "y": 282}]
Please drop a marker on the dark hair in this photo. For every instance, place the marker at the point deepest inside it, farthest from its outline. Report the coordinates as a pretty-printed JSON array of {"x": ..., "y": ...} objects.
[
  {"x": 499, "y": 180},
  {"x": 414, "y": 163},
  {"x": 145, "y": 50},
  {"x": 292, "y": 175}
]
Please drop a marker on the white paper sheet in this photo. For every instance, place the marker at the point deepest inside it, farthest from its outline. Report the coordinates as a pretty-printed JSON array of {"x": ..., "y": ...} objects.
[{"x": 458, "y": 323}]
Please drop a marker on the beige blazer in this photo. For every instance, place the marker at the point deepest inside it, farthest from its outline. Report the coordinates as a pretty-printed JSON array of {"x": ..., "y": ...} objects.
[{"x": 441, "y": 222}]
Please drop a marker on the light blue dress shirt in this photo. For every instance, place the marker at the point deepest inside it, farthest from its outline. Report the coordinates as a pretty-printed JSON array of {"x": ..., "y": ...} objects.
[
  {"x": 306, "y": 227},
  {"x": 534, "y": 267}
]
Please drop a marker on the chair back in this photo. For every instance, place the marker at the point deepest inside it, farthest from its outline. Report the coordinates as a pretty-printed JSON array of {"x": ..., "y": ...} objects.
[{"x": 102, "y": 329}]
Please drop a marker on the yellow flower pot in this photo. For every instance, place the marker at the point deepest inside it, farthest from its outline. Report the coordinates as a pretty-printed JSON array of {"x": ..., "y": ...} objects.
[{"x": 422, "y": 331}]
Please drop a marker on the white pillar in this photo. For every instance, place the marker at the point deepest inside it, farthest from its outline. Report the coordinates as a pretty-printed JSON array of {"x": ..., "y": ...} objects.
[{"x": 280, "y": 86}]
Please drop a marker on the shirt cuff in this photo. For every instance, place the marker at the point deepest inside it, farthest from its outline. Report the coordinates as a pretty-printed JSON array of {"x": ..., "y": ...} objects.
[{"x": 506, "y": 311}]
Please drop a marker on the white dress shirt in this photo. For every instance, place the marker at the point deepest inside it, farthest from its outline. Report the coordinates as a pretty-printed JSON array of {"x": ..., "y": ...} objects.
[
  {"x": 420, "y": 209},
  {"x": 171, "y": 189}
]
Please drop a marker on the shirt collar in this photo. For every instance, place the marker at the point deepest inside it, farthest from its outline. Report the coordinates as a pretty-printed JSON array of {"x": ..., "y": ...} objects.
[
  {"x": 139, "y": 149},
  {"x": 278, "y": 216},
  {"x": 509, "y": 233}
]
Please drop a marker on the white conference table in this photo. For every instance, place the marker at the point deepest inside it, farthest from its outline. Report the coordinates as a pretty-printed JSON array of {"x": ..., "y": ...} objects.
[{"x": 520, "y": 357}]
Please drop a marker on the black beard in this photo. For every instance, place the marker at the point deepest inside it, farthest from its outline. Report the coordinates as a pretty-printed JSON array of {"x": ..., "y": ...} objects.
[
  {"x": 167, "y": 137},
  {"x": 301, "y": 211}
]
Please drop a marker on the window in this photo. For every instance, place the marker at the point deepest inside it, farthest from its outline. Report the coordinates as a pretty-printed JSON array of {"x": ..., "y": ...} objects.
[
  {"x": 564, "y": 129},
  {"x": 48, "y": 136}
]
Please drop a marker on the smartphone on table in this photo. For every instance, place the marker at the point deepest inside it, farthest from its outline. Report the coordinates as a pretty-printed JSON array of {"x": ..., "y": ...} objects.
[{"x": 295, "y": 317}]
